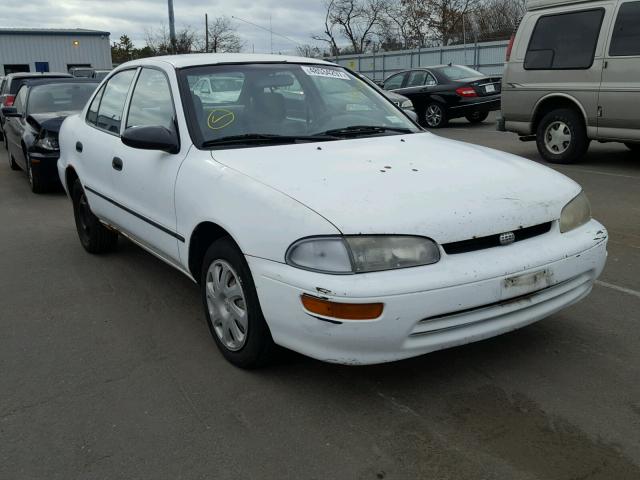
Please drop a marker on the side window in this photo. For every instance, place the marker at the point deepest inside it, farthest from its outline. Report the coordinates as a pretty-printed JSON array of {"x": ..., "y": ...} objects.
[
  {"x": 431, "y": 80},
  {"x": 21, "y": 97},
  {"x": 626, "y": 33},
  {"x": 151, "y": 104},
  {"x": 394, "y": 82},
  {"x": 417, "y": 78},
  {"x": 113, "y": 98},
  {"x": 564, "y": 41},
  {"x": 92, "y": 113}
]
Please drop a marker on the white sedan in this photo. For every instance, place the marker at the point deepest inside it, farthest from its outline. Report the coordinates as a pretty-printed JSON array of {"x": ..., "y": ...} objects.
[{"x": 316, "y": 215}]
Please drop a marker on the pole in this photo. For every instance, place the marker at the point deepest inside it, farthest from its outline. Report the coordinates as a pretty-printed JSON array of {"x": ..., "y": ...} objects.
[
  {"x": 172, "y": 27},
  {"x": 464, "y": 40},
  {"x": 206, "y": 33},
  {"x": 271, "y": 32}
]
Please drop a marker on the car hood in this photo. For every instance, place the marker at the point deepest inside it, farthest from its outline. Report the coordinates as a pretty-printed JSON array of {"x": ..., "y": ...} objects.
[
  {"x": 48, "y": 121},
  {"x": 418, "y": 184}
]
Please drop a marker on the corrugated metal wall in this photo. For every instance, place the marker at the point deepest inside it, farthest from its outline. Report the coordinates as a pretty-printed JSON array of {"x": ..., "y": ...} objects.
[
  {"x": 59, "y": 50},
  {"x": 486, "y": 57}
]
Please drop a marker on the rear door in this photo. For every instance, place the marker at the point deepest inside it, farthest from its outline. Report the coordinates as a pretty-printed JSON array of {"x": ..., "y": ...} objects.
[
  {"x": 619, "y": 101},
  {"x": 144, "y": 185}
]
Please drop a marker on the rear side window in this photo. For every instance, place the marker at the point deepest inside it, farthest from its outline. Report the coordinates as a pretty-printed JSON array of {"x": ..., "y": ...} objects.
[
  {"x": 151, "y": 104},
  {"x": 564, "y": 42},
  {"x": 113, "y": 98},
  {"x": 626, "y": 33},
  {"x": 92, "y": 113},
  {"x": 394, "y": 82},
  {"x": 20, "y": 100}
]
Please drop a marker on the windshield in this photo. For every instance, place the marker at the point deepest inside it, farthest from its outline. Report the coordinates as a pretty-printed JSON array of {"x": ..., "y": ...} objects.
[
  {"x": 66, "y": 97},
  {"x": 457, "y": 72},
  {"x": 285, "y": 100}
]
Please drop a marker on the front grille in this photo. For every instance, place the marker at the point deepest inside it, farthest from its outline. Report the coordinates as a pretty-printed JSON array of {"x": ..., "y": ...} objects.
[{"x": 491, "y": 241}]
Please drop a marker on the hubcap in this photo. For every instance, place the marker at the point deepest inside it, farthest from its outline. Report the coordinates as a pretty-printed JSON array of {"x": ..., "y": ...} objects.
[
  {"x": 557, "y": 137},
  {"x": 434, "y": 115},
  {"x": 226, "y": 304}
]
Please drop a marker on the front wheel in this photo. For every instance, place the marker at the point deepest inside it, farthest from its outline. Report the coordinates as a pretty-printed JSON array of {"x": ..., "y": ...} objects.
[
  {"x": 35, "y": 179},
  {"x": 477, "y": 117},
  {"x": 435, "y": 115},
  {"x": 94, "y": 236},
  {"x": 561, "y": 136},
  {"x": 232, "y": 308}
]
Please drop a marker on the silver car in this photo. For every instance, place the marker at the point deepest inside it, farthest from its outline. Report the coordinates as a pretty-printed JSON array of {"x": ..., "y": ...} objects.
[{"x": 573, "y": 75}]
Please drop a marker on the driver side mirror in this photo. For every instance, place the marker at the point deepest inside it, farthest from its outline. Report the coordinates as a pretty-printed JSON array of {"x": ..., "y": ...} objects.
[
  {"x": 11, "y": 112},
  {"x": 151, "y": 138}
]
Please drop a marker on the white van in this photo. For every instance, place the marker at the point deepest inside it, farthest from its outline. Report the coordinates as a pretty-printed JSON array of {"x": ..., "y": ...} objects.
[{"x": 573, "y": 75}]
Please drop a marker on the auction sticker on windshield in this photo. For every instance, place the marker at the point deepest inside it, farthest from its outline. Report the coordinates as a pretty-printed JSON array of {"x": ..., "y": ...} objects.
[{"x": 325, "y": 72}]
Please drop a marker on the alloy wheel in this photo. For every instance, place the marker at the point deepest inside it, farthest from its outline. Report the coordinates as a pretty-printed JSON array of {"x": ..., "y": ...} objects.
[
  {"x": 433, "y": 115},
  {"x": 227, "y": 305},
  {"x": 557, "y": 137}
]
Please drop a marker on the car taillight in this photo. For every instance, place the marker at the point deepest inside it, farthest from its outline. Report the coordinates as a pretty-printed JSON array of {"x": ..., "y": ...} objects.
[
  {"x": 466, "y": 92},
  {"x": 510, "y": 46},
  {"x": 8, "y": 100}
]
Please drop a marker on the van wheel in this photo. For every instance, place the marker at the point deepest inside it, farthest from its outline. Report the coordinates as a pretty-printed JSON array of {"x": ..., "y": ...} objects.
[
  {"x": 562, "y": 137},
  {"x": 634, "y": 147},
  {"x": 477, "y": 117},
  {"x": 434, "y": 115},
  {"x": 94, "y": 237},
  {"x": 232, "y": 308}
]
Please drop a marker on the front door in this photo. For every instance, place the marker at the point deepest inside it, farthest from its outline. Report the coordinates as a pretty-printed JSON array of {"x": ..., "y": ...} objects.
[
  {"x": 620, "y": 88},
  {"x": 145, "y": 182}
]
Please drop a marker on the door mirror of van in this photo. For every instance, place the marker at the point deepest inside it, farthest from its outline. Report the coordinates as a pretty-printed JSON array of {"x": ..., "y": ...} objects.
[{"x": 151, "y": 138}]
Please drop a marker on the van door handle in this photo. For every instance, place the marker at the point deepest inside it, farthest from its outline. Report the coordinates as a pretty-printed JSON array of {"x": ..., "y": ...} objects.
[
  {"x": 116, "y": 163},
  {"x": 78, "y": 147}
]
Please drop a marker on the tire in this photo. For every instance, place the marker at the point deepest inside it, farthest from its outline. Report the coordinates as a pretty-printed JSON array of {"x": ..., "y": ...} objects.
[
  {"x": 232, "y": 308},
  {"x": 12, "y": 162},
  {"x": 477, "y": 117},
  {"x": 94, "y": 237},
  {"x": 35, "y": 180},
  {"x": 561, "y": 136},
  {"x": 634, "y": 147},
  {"x": 434, "y": 115}
]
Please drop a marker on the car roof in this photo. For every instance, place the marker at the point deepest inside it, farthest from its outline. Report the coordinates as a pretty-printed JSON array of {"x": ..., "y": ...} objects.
[{"x": 201, "y": 59}]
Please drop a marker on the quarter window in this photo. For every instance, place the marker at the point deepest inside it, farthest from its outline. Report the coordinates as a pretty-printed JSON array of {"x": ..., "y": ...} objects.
[
  {"x": 417, "y": 78},
  {"x": 112, "y": 104},
  {"x": 394, "y": 82},
  {"x": 20, "y": 99},
  {"x": 626, "y": 33},
  {"x": 92, "y": 113},
  {"x": 151, "y": 104},
  {"x": 565, "y": 41}
]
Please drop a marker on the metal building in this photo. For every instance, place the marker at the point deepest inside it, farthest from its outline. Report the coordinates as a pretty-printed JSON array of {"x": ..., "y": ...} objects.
[{"x": 52, "y": 50}]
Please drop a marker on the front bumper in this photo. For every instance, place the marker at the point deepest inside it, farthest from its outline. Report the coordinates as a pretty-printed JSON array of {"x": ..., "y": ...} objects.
[
  {"x": 462, "y": 299},
  {"x": 45, "y": 165}
]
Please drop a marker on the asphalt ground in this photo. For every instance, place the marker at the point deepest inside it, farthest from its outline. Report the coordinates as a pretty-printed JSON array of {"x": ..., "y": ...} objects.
[{"x": 108, "y": 371}]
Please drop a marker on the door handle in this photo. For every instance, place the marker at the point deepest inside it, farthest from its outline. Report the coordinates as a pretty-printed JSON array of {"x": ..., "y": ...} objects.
[
  {"x": 79, "y": 147},
  {"x": 116, "y": 163}
]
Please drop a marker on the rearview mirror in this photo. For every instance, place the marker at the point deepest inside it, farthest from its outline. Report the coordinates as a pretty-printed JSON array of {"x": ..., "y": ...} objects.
[
  {"x": 10, "y": 112},
  {"x": 151, "y": 138}
]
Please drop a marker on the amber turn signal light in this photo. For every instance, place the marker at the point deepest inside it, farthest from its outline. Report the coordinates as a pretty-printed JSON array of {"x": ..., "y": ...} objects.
[{"x": 342, "y": 311}]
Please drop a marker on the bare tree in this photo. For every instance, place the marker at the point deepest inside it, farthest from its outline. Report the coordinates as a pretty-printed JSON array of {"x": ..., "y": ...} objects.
[
  {"x": 328, "y": 35},
  {"x": 497, "y": 19},
  {"x": 446, "y": 17},
  {"x": 223, "y": 37},
  {"x": 309, "y": 51},
  {"x": 159, "y": 41},
  {"x": 357, "y": 20}
]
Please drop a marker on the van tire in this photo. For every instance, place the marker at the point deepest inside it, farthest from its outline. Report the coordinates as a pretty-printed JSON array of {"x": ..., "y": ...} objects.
[{"x": 554, "y": 128}]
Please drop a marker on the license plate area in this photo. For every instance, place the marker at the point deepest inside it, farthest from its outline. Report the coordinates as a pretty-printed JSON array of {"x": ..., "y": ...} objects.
[
  {"x": 489, "y": 88},
  {"x": 528, "y": 282}
]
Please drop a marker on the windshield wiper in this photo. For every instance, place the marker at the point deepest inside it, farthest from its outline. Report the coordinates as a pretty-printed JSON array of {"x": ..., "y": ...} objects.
[
  {"x": 265, "y": 138},
  {"x": 355, "y": 130}
]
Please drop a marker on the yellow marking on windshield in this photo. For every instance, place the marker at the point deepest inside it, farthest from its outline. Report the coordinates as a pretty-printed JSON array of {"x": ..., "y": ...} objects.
[{"x": 220, "y": 118}]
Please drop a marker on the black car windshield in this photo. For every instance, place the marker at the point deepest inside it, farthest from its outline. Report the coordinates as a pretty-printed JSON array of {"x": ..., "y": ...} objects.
[
  {"x": 458, "y": 72},
  {"x": 266, "y": 103},
  {"x": 63, "y": 97}
]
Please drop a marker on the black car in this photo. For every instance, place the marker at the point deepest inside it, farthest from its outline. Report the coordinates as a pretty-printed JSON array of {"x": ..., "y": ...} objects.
[
  {"x": 444, "y": 92},
  {"x": 33, "y": 122}
]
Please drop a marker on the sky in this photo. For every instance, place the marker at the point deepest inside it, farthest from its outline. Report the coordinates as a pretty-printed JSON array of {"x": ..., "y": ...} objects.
[{"x": 296, "y": 19}]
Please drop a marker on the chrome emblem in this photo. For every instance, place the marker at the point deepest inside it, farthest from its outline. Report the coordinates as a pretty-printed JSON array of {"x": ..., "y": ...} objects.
[{"x": 507, "y": 238}]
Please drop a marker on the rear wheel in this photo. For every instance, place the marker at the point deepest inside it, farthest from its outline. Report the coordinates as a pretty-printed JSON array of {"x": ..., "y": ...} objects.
[
  {"x": 477, "y": 117},
  {"x": 94, "y": 237},
  {"x": 634, "y": 147},
  {"x": 232, "y": 308},
  {"x": 561, "y": 136},
  {"x": 435, "y": 115}
]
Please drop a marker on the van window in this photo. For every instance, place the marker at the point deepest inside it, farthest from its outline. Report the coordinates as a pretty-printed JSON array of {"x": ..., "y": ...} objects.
[
  {"x": 564, "y": 41},
  {"x": 626, "y": 33}
]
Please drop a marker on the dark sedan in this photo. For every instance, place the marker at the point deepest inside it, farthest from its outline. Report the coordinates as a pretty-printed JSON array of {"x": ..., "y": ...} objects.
[
  {"x": 444, "y": 92},
  {"x": 33, "y": 122}
]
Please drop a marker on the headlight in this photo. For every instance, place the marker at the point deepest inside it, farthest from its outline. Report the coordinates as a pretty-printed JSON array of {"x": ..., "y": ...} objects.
[
  {"x": 362, "y": 253},
  {"x": 406, "y": 104},
  {"x": 47, "y": 142},
  {"x": 575, "y": 213}
]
